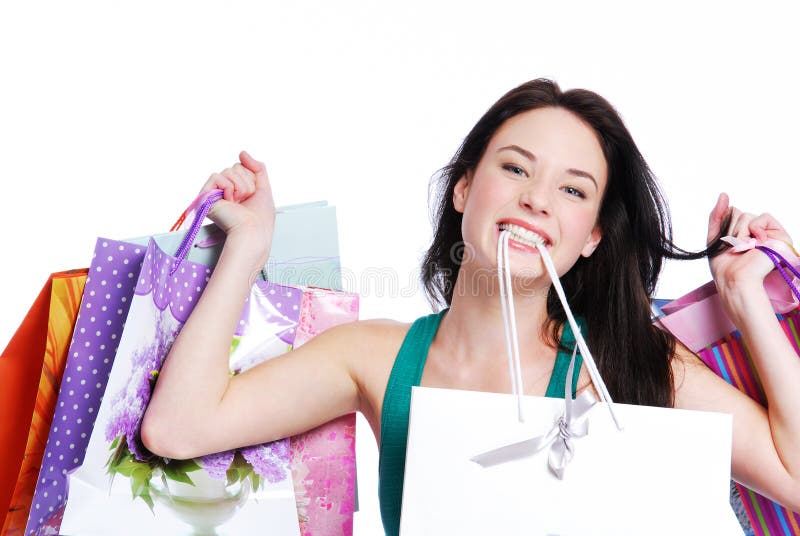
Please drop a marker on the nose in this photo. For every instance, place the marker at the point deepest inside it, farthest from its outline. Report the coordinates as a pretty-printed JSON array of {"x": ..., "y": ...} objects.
[{"x": 535, "y": 197}]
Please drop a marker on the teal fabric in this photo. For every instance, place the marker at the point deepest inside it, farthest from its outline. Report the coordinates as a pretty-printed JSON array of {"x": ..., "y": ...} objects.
[
  {"x": 555, "y": 389},
  {"x": 406, "y": 373}
]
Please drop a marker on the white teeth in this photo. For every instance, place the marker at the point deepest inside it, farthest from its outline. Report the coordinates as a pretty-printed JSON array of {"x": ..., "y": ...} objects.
[{"x": 523, "y": 235}]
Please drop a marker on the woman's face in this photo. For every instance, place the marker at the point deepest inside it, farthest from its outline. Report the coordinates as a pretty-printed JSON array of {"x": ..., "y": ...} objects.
[{"x": 543, "y": 170}]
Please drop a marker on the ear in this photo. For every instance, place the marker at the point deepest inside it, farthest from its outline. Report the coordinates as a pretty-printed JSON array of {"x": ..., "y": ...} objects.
[
  {"x": 461, "y": 192},
  {"x": 592, "y": 241}
]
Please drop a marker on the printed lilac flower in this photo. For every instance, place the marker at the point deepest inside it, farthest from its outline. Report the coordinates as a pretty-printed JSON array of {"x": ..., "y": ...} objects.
[
  {"x": 269, "y": 460},
  {"x": 129, "y": 404},
  {"x": 217, "y": 465}
]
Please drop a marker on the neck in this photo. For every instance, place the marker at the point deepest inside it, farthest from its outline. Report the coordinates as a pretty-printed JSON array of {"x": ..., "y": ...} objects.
[{"x": 473, "y": 328}]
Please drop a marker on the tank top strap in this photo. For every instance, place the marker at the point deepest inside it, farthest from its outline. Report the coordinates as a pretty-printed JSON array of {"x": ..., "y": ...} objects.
[
  {"x": 555, "y": 389},
  {"x": 406, "y": 373}
]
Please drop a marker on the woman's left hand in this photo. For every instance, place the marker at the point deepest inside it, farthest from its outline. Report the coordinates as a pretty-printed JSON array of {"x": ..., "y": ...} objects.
[{"x": 740, "y": 275}]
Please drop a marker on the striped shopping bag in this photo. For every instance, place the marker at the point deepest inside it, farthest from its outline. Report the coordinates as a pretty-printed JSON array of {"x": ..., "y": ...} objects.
[
  {"x": 699, "y": 321},
  {"x": 730, "y": 359}
]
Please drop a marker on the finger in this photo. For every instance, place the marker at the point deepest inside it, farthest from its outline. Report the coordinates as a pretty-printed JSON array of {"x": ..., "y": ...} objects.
[
  {"x": 766, "y": 226},
  {"x": 221, "y": 215},
  {"x": 240, "y": 183},
  {"x": 226, "y": 185},
  {"x": 245, "y": 180},
  {"x": 717, "y": 217},
  {"x": 740, "y": 227},
  {"x": 735, "y": 222},
  {"x": 217, "y": 181},
  {"x": 257, "y": 167},
  {"x": 210, "y": 183}
]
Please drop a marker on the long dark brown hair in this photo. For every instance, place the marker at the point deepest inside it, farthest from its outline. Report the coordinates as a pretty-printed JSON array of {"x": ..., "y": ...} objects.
[{"x": 612, "y": 288}]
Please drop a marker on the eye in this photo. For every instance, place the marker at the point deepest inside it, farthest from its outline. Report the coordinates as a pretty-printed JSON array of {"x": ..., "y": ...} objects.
[
  {"x": 515, "y": 170},
  {"x": 574, "y": 191}
]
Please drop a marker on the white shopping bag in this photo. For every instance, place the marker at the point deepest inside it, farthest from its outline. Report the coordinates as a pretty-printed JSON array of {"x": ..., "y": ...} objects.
[
  {"x": 487, "y": 463},
  {"x": 666, "y": 472}
]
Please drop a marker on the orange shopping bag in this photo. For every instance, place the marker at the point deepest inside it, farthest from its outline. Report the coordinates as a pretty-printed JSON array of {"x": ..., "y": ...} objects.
[{"x": 31, "y": 368}]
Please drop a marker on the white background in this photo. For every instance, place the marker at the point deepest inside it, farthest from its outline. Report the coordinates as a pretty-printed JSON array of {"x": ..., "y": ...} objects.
[{"x": 112, "y": 115}]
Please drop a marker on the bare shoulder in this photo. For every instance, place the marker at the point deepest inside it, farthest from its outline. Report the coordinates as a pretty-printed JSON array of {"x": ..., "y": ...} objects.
[
  {"x": 377, "y": 326},
  {"x": 373, "y": 345},
  {"x": 371, "y": 336},
  {"x": 374, "y": 342},
  {"x": 384, "y": 330},
  {"x": 685, "y": 362},
  {"x": 367, "y": 346}
]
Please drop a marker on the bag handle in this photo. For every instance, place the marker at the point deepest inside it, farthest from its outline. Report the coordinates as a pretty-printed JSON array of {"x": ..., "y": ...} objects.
[
  {"x": 509, "y": 321},
  {"x": 779, "y": 261},
  {"x": 202, "y": 196},
  {"x": 178, "y": 222},
  {"x": 594, "y": 373},
  {"x": 206, "y": 201}
]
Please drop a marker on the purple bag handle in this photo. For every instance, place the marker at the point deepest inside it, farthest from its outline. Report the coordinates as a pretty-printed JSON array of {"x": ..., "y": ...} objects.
[
  {"x": 191, "y": 235},
  {"x": 779, "y": 262}
]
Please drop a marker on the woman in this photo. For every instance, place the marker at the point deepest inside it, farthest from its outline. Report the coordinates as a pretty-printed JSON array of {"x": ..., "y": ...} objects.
[{"x": 546, "y": 164}]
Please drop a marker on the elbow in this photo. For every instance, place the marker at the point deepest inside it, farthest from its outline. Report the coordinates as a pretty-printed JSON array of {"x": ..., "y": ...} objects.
[
  {"x": 176, "y": 440},
  {"x": 153, "y": 438},
  {"x": 158, "y": 437}
]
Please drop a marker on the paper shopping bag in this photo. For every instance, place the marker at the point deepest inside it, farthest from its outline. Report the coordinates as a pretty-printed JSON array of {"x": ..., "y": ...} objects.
[
  {"x": 104, "y": 307},
  {"x": 650, "y": 478},
  {"x": 30, "y": 374},
  {"x": 323, "y": 464},
  {"x": 323, "y": 460},
  {"x": 240, "y": 490},
  {"x": 699, "y": 319},
  {"x": 20, "y": 364}
]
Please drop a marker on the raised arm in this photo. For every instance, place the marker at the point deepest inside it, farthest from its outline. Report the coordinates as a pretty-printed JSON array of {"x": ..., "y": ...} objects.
[
  {"x": 196, "y": 407},
  {"x": 766, "y": 456}
]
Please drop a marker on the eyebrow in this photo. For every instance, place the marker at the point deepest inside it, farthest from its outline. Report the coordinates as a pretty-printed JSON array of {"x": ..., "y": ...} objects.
[{"x": 530, "y": 156}]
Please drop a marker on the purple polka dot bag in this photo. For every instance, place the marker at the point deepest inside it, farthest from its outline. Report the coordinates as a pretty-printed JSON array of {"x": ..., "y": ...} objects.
[{"x": 104, "y": 307}]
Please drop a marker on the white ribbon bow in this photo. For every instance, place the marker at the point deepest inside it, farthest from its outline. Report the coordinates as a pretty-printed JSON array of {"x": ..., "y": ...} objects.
[{"x": 572, "y": 424}]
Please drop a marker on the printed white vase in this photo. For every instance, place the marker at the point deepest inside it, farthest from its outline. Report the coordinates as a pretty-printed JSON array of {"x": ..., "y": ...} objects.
[{"x": 204, "y": 506}]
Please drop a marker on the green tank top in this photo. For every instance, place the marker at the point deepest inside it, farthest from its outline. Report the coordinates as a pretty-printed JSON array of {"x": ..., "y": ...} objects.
[{"x": 407, "y": 372}]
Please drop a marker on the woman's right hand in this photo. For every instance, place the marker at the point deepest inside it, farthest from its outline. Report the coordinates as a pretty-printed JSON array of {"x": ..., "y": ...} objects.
[{"x": 247, "y": 211}]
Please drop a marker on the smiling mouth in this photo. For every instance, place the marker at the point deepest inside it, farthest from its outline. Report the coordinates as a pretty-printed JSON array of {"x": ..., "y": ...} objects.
[{"x": 522, "y": 235}]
